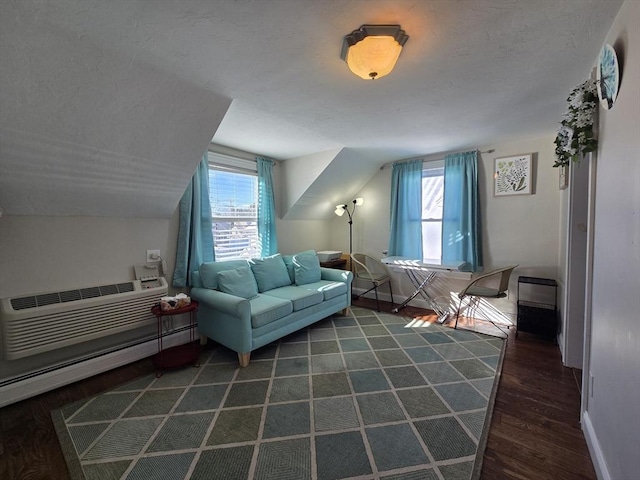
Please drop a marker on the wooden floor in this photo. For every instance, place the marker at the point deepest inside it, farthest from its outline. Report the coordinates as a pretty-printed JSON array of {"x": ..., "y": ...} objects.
[{"x": 535, "y": 431}]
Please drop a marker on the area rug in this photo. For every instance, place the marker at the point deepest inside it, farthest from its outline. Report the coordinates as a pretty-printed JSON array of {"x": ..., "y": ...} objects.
[{"x": 363, "y": 396}]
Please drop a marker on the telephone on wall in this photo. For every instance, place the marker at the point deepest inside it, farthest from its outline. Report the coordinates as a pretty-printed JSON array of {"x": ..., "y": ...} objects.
[{"x": 148, "y": 275}]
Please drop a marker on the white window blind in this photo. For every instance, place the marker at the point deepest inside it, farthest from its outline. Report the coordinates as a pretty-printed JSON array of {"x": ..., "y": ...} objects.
[{"x": 233, "y": 192}]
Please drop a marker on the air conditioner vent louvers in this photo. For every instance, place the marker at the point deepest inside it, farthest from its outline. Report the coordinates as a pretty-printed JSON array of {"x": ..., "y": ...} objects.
[
  {"x": 23, "y": 303},
  {"x": 70, "y": 296},
  {"x": 91, "y": 292},
  {"x": 108, "y": 290},
  {"x": 125, "y": 287},
  {"x": 34, "y": 301},
  {"x": 47, "y": 299}
]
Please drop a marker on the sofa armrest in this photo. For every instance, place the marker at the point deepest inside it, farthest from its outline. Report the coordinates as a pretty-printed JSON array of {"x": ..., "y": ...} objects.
[
  {"x": 223, "y": 302},
  {"x": 335, "y": 275},
  {"x": 224, "y": 318}
]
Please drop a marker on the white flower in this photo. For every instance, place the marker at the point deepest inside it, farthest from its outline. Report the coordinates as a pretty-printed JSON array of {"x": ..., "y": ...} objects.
[{"x": 578, "y": 117}]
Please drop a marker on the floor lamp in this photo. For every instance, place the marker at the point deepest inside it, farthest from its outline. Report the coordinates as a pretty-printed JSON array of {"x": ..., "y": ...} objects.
[{"x": 340, "y": 209}]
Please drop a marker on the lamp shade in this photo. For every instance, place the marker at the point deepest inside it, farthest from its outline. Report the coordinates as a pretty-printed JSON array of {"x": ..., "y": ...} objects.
[
  {"x": 339, "y": 210},
  {"x": 359, "y": 201},
  {"x": 371, "y": 51}
]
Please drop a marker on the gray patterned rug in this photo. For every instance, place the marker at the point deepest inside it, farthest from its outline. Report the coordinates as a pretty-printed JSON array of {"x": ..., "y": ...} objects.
[{"x": 366, "y": 396}]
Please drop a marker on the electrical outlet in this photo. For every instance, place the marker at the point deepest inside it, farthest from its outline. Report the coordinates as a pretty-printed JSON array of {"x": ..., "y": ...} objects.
[{"x": 153, "y": 255}]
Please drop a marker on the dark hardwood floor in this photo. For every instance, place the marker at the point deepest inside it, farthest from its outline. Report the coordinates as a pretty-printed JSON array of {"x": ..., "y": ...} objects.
[{"x": 535, "y": 430}]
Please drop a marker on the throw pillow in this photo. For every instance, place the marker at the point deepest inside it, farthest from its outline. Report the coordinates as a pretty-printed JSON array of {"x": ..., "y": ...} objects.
[
  {"x": 209, "y": 271},
  {"x": 208, "y": 275},
  {"x": 288, "y": 261},
  {"x": 307, "y": 268},
  {"x": 238, "y": 282},
  {"x": 270, "y": 272}
]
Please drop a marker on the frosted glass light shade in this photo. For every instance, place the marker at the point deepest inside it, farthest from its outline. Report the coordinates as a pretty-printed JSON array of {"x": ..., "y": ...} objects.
[
  {"x": 359, "y": 201},
  {"x": 372, "y": 51},
  {"x": 373, "y": 57},
  {"x": 339, "y": 210}
]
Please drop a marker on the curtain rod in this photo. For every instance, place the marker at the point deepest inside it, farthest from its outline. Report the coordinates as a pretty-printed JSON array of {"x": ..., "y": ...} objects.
[{"x": 491, "y": 150}]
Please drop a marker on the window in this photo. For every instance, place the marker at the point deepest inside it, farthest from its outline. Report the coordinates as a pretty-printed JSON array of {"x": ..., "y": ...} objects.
[
  {"x": 432, "y": 201},
  {"x": 233, "y": 193}
]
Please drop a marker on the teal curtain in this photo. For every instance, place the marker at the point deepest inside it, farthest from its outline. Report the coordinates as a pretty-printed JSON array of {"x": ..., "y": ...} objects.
[
  {"x": 195, "y": 236},
  {"x": 406, "y": 210},
  {"x": 461, "y": 229},
  {"x": 266, "y": 208}
]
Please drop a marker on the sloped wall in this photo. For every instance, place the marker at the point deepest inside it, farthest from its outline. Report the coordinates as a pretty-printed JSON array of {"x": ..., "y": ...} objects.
[{"x": 91, "y": 132}]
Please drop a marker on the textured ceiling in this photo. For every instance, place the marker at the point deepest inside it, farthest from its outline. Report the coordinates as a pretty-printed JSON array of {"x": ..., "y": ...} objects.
[{"x": 473, "y": 72}]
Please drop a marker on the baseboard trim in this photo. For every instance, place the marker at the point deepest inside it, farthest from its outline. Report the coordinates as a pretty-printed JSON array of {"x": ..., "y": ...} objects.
[
  {"x": 597, "y": 457},
  {"x": 31, "y": 387}
]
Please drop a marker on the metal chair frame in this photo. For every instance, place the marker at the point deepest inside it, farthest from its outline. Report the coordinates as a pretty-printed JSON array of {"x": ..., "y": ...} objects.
[
  {"x": 361, "y": 271},
  {"x": 475, "y": 292}
]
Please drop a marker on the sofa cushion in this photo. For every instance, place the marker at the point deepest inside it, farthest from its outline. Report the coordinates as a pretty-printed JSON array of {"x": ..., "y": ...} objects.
[
  {"x": 238, "y": 282},
  {"x": 266, "y": 309},
  {"x": 288, "y": 261},
  {"x": 307, "y": 268},
  {"x": 300, "y": 297},
  {"x": 270, "y": 272},
  {"x": 209, "y": 271},
  {"x": 328, "y": 288}
]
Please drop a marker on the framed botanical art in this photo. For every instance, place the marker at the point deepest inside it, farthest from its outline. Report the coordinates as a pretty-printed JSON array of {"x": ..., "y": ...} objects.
[{"x": 512, "y": 175}]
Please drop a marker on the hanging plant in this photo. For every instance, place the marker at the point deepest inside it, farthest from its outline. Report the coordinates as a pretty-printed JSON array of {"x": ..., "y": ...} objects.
[{"x": 575, "y": 136}]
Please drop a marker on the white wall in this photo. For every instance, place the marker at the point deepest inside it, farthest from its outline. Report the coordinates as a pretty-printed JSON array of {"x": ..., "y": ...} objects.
[
  {"x": 521, "y": 229},
  {"x": 43, "y": 254},
  {"x": 299, "y": 173},
  {"x": 298, "y": 235},
  {"x": 40, "y": 254},
  {"x": 612, "y": 416}
]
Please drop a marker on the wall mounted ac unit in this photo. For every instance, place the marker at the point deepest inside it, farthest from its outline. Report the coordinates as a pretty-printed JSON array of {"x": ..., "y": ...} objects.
[{"x": 39, "y": 323}]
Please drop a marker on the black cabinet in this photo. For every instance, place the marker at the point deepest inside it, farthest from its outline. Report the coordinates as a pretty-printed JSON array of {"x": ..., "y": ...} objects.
[{"x": 537, "y": 306}]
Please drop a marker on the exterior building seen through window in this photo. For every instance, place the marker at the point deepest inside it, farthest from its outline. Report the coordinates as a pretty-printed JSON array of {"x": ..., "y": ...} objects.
[
  {"x": 233, "y": 193},
  {"x": 432, "y": 201}
]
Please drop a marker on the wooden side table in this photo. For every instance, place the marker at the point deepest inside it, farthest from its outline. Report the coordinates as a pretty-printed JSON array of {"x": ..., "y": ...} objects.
[{"x": 181, "y": 355}]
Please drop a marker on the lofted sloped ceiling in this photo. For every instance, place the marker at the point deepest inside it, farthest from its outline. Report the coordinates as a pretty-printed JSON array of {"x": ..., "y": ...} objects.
[
  {"x": 106, "y": 107},
  {"x": 91, "y": 131},
  {"x": 316, "y": 183}
]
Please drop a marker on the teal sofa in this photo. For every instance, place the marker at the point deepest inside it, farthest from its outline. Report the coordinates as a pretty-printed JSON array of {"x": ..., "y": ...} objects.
[{"x": 246, "y": 304}]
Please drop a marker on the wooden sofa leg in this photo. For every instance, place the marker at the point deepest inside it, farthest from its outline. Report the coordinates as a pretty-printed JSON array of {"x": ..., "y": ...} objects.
[
  {"x": 244, "y": 359},
  {"x": 203, "y": 340},
  {"x": 344, "y": 312}
]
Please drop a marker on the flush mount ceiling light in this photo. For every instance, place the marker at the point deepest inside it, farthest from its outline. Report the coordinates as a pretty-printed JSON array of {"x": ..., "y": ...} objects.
[{"x": 372, "y": 51}]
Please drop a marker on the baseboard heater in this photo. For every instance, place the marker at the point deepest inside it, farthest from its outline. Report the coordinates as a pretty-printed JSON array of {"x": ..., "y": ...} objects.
[
  {"x": 49, "y": 378},
  {"x": 40, "y": 323}
]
